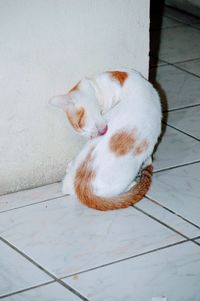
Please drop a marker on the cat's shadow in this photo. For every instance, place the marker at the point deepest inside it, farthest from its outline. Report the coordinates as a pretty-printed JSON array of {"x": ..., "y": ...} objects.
[
  {"x": 156, "y": 19},
  {"x": 164, "y": 105}
]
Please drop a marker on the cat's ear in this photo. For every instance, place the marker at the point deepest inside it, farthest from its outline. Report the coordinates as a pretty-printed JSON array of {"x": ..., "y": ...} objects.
[{"x": 63, "y": 102}]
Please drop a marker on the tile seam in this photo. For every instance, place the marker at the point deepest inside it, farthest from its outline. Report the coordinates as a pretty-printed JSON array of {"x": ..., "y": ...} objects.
[
  {"x": 182, "y": 108},
  {"x": 27, "y": 189},
  {"x": 126, "y": 258},
  {"x": 175, "y": 63},
  {"x": 173, "y": 212},
  {"x": 181, "y": 131},
  {"x": 72, "y": 290},
  {"x": 176, "y": 166},
  {"x": 26, "y": 289},
  {"x": 59, "y": 279},
  {"x": 32, "y": 204},
  {"x": 160, "y": 222}
]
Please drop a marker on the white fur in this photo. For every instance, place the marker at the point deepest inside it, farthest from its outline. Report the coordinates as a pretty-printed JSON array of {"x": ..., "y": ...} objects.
[{"x": 134, "y": 105}]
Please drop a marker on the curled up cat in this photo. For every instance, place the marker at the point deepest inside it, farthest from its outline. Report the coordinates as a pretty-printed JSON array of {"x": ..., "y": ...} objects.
[{"x": 120, "y": 113}]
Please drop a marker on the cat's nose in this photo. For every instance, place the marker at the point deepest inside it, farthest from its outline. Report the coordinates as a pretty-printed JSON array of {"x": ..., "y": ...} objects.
[{"x": 102, "y": 131}]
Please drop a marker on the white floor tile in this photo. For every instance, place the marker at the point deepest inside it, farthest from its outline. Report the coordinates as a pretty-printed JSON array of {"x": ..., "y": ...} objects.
[
  {"x": 169, "y": 218},
  {"x": 172, "y": 273},
  {"x": 179, "y": 190},
  {"x": 31, "y": 196},
  {"x": 177, "y": 44},
  {"x": 66, "y": 237},
  {"x": 178, "y": 88},
  {"x": 50, "y": 292},
  {"x": 198, "y": 240},
  {"x": 191, "y": 66},
  {"x": 187, "y": 120},
  {"x": 16, "y": 272},
  {"x": 175, "y": 149}
]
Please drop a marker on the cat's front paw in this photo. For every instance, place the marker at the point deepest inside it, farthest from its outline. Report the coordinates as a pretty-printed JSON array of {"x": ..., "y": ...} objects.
[
  {"x": 65, "y": 189},
  {"x": 67, "y": 186}
]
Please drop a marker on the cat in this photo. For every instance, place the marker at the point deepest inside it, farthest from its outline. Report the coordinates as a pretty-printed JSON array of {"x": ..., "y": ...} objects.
[{"x": 120, "y": 112}]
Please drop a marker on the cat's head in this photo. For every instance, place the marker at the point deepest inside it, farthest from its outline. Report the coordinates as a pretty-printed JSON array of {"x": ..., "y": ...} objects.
[{"x": 82, "y": 110}]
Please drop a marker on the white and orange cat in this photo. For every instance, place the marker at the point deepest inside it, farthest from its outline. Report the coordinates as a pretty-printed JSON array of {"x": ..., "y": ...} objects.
[{"x": 121, "y": 112}]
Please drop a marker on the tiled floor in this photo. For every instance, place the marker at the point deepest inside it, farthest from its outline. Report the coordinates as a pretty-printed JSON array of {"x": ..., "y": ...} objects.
[{"x": 53, "y": 248}]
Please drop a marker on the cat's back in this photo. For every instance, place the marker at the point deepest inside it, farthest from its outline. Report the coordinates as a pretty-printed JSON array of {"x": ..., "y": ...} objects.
[
  {"x": 139, "y": 89},
  {"x": 126, "y": 84}
]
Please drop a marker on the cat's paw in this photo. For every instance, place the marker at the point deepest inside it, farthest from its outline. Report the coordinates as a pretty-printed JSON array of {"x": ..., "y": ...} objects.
[
  {"x": 64, "y": 190},
  {"x": 67, "y": 187}
]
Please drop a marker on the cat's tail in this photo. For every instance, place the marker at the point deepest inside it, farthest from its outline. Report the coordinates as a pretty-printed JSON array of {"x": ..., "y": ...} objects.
[{"x": 84, "y": 191}]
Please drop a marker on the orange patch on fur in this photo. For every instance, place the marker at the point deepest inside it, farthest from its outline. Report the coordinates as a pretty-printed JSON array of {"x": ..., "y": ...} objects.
[
  {"x": 75, "y": 88},
  {"x": 141, "y": 148},
  {"x": 120, "y": 76},
  {"x": 77, "y": 119},
  {"x": 122, "y": 142},
  {"x": 83, "y": 179}
]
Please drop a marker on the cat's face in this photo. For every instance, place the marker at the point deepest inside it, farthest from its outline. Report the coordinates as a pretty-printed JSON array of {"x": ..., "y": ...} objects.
[{"x": 83, "y": 114}]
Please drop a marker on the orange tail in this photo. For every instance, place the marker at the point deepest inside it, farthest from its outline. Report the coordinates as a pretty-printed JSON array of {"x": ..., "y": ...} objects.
[{"x": 83, "y": 188}]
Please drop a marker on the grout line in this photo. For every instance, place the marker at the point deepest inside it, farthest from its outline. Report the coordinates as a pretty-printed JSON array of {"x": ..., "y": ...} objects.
[
  {"x": 87, "y": 270},
  {"x": 196, "y": 237},
  {"x": 43, "y": 269},
  {"x": 181, "y": 25},
  {"x": 171, "y": 26},
  {"x": 186, "y": 23},
  {"x": 177, "y": 166},
  {"x": 72, "y": 290},
  {"x": 168, "y": 63},
  {"x": 31, "y": 188},
  {"x": 28, "y": 205},
  {"x": 158, "y": 66},
  {"x": 127, "y": 258},
  {"x": 196, "y": 243},
  {"x": 190, "y": 60},
  {"x": 166, "y": 225},
  {"x": 161, "y": 29},
  {"x": 173, "y": 212},
  {"x": 179, "y": 130},
  {"x": 193, "y": 25},
  {"x": 166, "y": 27},
  {"x": 196, "y": 26},
  {"x": 26, "y": 289},
  {"x": 175, "y": 63},
  {"x": 194, "y": 240},
  {"x": 162, "y": 223},
  {"x": 184, "y": 70},
  {"x": 181, "y": 108},
  {"x": 174, "y": 19}
]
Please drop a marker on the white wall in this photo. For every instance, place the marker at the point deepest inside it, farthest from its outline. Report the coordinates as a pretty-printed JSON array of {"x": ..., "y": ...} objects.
[{"x": 46, "y": 46}]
